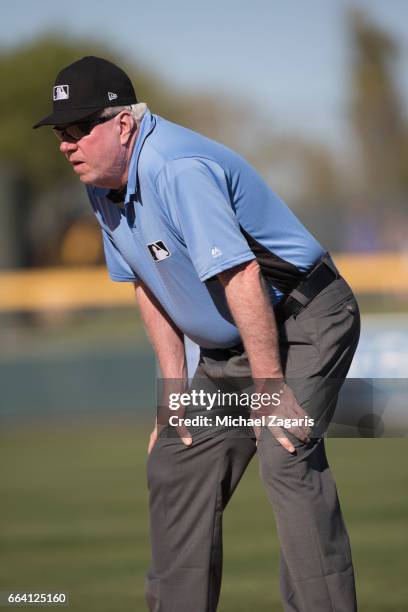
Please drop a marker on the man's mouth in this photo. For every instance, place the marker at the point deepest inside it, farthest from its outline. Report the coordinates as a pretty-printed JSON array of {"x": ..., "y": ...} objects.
[{"x": 77, "y": 164}]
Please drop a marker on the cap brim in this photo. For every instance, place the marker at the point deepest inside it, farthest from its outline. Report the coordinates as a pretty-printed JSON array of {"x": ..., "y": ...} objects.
[{"x": 67, "y": 116}]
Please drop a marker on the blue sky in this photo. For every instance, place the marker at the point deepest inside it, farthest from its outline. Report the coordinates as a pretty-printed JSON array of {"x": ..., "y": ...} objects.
[{"x": 288, "y": 57}]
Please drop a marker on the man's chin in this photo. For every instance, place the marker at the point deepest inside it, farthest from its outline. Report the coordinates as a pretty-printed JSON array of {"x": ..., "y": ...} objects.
[
  {"x": 90, "y": 179},
  {"x": 85, "y": 179}
]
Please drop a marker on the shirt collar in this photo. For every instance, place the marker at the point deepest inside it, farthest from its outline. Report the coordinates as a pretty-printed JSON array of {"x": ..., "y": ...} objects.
[{"x": 147, "y": 125}]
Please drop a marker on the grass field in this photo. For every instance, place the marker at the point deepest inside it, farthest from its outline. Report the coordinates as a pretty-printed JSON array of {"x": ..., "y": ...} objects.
[{"x": 73, "y": 519}]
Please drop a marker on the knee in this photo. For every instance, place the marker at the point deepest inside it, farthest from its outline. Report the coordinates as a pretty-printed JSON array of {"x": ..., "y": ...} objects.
[
  {"x": 276, "y": 464},
  {"x": 281, "y": 470}
]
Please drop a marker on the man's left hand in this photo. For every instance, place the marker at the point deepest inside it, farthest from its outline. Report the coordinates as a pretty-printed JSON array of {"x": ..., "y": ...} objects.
[{"x": 282, "y": 414}]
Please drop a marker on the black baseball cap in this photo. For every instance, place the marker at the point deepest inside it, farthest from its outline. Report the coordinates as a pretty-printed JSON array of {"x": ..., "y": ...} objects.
[{"x": 85, "y": 87}]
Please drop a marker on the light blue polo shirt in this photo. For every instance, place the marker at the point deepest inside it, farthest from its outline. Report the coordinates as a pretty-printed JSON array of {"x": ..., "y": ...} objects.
[{"x": 194, "y": 208}]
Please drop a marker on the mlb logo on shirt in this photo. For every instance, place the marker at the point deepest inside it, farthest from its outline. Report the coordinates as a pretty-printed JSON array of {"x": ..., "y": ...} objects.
[
  {"x": 158, "y": 250},
  {"x": 60, "y": 92}
]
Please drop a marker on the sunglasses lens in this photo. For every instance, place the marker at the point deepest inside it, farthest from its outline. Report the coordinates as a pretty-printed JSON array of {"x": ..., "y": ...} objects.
[
  {"x": 73, "y": 132},
  {"x": 78, "y": 130}
]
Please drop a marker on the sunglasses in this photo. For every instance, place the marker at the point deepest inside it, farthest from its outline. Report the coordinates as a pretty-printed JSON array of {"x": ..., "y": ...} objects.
[{"x": 76, "y": 131}]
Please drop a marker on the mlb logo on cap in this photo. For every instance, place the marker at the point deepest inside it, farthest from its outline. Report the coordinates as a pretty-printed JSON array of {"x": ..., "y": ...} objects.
[{"x": 60, "y": 92}]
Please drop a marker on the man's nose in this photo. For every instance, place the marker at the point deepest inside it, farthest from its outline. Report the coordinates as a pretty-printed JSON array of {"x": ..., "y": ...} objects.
[{"x": 67, "y": 147}]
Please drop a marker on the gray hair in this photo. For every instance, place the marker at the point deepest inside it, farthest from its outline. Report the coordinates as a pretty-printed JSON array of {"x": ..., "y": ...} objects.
[{"x": 136, "y": 110}]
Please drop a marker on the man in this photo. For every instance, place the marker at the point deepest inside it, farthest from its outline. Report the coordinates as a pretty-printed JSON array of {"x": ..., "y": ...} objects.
[{"x": 217, "y": 257}]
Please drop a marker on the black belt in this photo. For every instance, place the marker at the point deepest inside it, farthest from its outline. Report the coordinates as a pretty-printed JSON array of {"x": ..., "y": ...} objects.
[{"x": 318, "y": 278}]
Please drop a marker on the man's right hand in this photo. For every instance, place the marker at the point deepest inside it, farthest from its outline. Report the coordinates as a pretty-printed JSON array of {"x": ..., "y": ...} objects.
[
  {"x": 164, "y": 413},
  {"x": 152, "y": 440},
  {"x": 182, "y": 431}
]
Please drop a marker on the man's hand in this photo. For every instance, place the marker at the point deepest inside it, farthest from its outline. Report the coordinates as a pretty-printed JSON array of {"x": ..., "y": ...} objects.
[
  {"x": 167, "y": 388},
  {"x": 152, "y": 440},
  {"x": 182, "y": 431},
  {"x": 282, "y": 412}
]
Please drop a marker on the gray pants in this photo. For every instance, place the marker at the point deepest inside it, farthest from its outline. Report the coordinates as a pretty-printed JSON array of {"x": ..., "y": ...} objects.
[{"x": 190, "y": 487}]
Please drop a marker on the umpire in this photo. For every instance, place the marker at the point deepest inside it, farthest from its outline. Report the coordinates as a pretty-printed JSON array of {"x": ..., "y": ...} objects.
[{"x": 215, "y": 256}]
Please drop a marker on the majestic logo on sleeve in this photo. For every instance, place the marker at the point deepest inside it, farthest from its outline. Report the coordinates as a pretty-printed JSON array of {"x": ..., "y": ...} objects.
[
  {"x": 60, "y": 92},
  {"x": 158, "y": 250}
]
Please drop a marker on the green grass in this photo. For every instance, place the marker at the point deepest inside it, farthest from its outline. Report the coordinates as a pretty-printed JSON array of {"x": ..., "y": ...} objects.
[{"x": 73, "y": 518}]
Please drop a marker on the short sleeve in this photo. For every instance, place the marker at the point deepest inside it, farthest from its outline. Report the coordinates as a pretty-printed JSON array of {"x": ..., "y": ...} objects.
[
  {"x": 118, "y": 269},
  {"x": 195, "y": 191}
]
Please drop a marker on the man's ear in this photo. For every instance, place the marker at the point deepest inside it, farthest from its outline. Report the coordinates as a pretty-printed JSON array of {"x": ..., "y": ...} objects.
[{"x": 126, "y": 125}]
